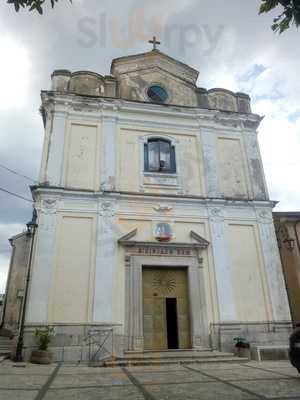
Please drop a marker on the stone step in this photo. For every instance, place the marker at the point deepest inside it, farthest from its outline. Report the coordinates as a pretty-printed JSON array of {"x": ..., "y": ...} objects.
[
  {"x": 162, "y": 362},
  {"x": 177, "y": 351},
  {"x": 157, "y": 358},
  {"x": 5, "y": 344},
  {"x": 5, "y": 352},
  {"x": 178, "y": 356}
]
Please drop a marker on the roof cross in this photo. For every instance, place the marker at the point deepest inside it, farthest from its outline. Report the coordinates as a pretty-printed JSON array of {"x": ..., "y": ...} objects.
[{"x": 155, "y": 42}]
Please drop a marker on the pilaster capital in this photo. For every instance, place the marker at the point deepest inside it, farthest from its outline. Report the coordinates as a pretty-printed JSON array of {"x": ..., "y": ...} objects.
[{"x": 216, "y": 213}]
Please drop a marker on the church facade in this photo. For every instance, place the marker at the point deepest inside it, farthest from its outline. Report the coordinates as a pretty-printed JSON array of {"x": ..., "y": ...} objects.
[{"x": 154, "y": 218}]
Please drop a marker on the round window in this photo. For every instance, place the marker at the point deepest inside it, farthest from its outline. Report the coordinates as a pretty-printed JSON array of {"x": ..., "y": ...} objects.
[{"x": 157, "y": 94}]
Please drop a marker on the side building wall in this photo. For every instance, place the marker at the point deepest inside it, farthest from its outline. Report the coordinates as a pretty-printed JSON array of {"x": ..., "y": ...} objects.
[
  {"x": 287, "y": 226},
  {"x": 16, "y": 281}
]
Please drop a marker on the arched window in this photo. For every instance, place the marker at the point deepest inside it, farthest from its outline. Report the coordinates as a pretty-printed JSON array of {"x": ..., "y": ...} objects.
[{"x": 159, "y": 156}]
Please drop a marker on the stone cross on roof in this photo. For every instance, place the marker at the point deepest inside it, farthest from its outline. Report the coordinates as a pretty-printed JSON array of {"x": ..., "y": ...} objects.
[{"x": 155, "y": 42}]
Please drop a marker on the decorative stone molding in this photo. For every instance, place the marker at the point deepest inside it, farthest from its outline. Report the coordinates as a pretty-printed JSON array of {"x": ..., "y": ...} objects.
[
  {"x": 231, "y": 122},
  {"x": 199, "y": 239},
  {"x": 48, "y": 206},
  {"x": 264, "y": 216},
  {"x": 156, "y": 179},
  {"x": 158, "y": 248},
  {"x": 108, "y": 186},
  {"x": 164, "y": 208},
  {"x": 216, "y": 213},
  {"x": 127, "y": 260},
  {"x": 107, "y": 208}
]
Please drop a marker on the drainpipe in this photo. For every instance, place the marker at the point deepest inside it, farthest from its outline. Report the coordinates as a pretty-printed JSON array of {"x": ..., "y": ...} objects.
[{"x": 31, "y": 229}]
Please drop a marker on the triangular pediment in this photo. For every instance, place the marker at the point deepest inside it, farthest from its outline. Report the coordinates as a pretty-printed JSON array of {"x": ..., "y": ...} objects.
[
  {"x": 128, "y": 236},
  {"x": 151, "y": 59},
  {"x": 199, "y": 239},
  {"x": 128, "y": 240}
]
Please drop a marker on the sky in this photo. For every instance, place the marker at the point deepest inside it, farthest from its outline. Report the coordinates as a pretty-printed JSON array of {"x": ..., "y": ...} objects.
[{"x": 227, "y": 42}]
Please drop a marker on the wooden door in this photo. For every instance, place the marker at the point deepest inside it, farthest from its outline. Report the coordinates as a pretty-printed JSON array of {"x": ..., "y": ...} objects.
[{"x": 159, "y": 284}]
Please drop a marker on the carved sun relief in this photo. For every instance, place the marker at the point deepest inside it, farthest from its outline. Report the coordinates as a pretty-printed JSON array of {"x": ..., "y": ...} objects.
[{"x": 164, "y": 283}]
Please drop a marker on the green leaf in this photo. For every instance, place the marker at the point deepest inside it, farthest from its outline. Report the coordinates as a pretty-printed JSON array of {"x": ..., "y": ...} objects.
[{"x": 268, "y": 5}]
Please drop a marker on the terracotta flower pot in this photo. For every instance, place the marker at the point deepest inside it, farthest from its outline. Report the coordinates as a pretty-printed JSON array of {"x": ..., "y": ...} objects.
[{"x": 41, "y": 357}]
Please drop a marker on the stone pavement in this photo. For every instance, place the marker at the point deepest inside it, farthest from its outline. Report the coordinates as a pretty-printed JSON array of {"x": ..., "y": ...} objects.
[{"x": 232, "y": 381}]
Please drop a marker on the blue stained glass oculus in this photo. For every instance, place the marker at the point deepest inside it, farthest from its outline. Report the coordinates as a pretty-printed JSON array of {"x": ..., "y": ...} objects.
[{"x": 157, "y": 94}]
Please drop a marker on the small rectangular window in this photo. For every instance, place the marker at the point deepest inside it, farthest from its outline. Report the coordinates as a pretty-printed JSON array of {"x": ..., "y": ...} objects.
[{"x": 159, "y": 156}]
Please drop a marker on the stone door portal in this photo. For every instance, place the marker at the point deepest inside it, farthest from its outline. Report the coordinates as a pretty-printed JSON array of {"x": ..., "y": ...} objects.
[{"x": 166, "y": 319}]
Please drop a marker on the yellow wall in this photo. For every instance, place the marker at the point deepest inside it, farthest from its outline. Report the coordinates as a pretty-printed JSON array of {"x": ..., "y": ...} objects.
[
  {"x": 131, "y": 161},
  {"x": 82, "y": 156},
  {"x": 74, "y": 269},
  {"x": 231, "y": 168},
  {"x": 73, "y": 279},
  {"x": 247, "y": 273}
]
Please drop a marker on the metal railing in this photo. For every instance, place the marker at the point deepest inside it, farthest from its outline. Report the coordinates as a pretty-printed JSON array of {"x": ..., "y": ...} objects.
[{"x": 100, "y": 344}]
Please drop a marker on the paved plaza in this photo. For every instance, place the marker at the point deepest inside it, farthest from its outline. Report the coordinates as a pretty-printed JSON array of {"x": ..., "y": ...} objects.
[{"x": 253, "y": 380}]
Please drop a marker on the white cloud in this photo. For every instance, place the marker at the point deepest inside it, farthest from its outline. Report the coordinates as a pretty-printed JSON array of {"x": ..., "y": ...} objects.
[
  {"x": 15, "y": 69},
  {"x": 280, "y": 147}
]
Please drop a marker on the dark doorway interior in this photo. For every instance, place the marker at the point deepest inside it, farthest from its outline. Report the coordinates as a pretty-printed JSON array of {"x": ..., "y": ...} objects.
[{"x": 172, "y": 327}]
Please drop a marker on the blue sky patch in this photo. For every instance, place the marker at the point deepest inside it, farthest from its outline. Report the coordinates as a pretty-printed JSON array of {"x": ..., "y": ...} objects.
[
  {"x": 294, "y": 116},
  {"x": 253, "y": 72}
]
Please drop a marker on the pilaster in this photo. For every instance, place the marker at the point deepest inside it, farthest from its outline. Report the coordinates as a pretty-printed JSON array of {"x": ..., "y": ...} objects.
[
  {"x": 109, "y": 151},
  {"x": 273, "y": 268},
  {"x": 210, "y": 162},
  {"x": 55, "y": 161},
  {"x": 106, "y": 261},
  {"x": 43, "y": 262}
]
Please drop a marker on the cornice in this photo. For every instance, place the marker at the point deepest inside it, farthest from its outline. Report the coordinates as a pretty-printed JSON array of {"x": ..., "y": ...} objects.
[
  {"x": 90, "y": 195},
  {"x": 59, "y": 102}
]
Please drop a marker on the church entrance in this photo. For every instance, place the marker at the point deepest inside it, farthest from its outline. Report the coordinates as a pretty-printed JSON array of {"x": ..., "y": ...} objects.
[{"x": 166, "y": 313}]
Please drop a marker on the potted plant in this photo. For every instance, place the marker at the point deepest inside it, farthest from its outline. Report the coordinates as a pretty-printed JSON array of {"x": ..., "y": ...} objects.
[
  {"x": 42, "y": 355},
  {"x": 242, "y": 347}
]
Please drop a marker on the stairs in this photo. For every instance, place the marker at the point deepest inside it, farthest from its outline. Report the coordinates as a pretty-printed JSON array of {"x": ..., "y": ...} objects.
[
  {"x": 160, "y": 358},
  {"x": 5, "y": 345}
]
